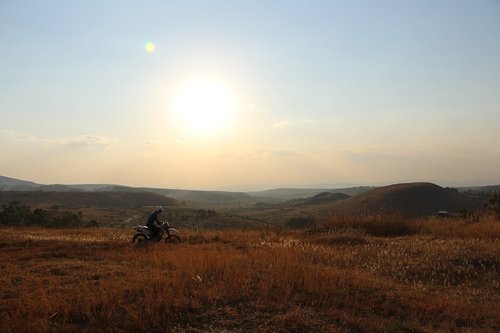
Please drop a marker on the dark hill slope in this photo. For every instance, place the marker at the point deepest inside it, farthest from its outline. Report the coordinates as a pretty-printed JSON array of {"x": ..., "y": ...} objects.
[
  {"x": 210, "y": 199},
  {"x": 81, "y": 199},
  {"x": 286, "y": 194},
  {"x": 320, "y": 198},
  {"x": 328, "y": 197},
  {"x": 413, "y": 199}
]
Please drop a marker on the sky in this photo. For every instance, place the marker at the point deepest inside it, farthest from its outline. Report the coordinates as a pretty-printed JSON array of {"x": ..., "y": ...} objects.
[{"x": 248, "y": 95}]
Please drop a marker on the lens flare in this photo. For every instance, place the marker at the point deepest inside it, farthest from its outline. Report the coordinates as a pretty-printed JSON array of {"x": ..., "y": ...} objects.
[{"x": 150, "y": 47}]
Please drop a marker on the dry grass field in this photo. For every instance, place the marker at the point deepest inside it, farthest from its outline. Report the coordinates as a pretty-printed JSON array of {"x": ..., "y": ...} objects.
[{"x": 442, "y": 276}]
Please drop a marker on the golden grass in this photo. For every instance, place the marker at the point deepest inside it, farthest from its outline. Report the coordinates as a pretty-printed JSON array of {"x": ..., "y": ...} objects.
[
  {"x": 487, "y": 227},
  {"x": 238, "y": 281},
  {"x": 397, "y": 225}
]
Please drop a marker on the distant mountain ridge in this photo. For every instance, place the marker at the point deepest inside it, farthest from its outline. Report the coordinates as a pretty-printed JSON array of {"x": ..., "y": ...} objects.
[
  {"x": 81, "y": 199},
  {"x": 304, "y": 193},
  {"x": 341, "y": 199},
  {"x": 13, "y": 184},
  {"x": 199, "y": 197},
  {"x": 7, "y": 183}
]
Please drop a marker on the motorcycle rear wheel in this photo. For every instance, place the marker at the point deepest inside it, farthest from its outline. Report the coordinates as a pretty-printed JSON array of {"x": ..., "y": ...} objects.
[
  {"x": 140, "y": 239},
  {"x": 172, "y": 239}
]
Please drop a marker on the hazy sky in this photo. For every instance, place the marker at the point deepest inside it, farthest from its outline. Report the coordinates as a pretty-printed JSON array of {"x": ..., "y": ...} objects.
[{"x": 312, "y": 92}]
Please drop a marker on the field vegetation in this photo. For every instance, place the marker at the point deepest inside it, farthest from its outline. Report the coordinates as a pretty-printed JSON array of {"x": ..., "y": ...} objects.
[{"x": 344, "y": 274}]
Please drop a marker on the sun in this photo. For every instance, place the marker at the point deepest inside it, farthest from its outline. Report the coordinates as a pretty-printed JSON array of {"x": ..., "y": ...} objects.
[{"x": 203, "y": 105}]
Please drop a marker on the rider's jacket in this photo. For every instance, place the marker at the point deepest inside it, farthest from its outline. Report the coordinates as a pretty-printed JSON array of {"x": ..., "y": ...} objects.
[{"x": 153, "y": 218}]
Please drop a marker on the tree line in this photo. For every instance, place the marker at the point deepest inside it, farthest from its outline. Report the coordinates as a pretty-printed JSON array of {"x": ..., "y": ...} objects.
[{"x": 17, "y": 214}]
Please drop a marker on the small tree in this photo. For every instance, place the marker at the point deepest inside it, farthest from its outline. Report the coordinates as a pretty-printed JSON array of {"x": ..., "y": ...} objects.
[
  {"x": 494, "y": 203},
  {"x": 15, "y": 214},
  {"x": 40, "y": 217}
]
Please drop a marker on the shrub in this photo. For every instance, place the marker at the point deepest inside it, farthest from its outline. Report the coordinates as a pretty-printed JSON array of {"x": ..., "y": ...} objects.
[
  {"x": 375, "y": 225},
  {"x": 494, "y": 203},
  {"x": 300, "y": 222},
  {"x": 16, "y": 214}
]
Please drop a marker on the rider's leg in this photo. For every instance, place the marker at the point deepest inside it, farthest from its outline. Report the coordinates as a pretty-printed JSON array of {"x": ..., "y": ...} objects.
[{"x": 154, "y": 232}]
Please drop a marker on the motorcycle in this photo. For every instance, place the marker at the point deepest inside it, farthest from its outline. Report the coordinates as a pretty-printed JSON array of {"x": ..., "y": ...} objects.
[{"x": 143, "y": 234}]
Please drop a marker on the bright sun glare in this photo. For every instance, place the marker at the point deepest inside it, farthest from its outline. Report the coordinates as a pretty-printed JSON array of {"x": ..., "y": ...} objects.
[{"x": 203, "y": 106}]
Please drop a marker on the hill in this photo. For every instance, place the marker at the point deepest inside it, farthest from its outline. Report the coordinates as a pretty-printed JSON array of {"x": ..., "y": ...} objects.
[
  {"x": 205, "y": 199},
  {"x": 320, "y": 198},
  {"x": 398, "y": 197},
  {"x": 285, "y": 194},
  {"x": 414, "y": 199},
  {"x": 210, "y": 199},
  {"x": 125, "y": 208},
  {"x": 328, "y": 197},
  {"x": 79, "y": 199},
  {"x": 409, "y": 199},
  {"x": 7, "y": 183}
]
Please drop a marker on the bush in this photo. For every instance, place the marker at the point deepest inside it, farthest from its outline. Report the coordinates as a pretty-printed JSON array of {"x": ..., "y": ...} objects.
[
  {"x": 300, "y": 222},
  {"x": 494, "y": 203},
  {"x": 16, "y": 214},
  {"x": 374, "y": 225},
  {"x": 486, "y": 227}
]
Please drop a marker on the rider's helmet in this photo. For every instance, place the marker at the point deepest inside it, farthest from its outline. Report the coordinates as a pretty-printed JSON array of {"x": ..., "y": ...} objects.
[{"x": 159, "y": 209}]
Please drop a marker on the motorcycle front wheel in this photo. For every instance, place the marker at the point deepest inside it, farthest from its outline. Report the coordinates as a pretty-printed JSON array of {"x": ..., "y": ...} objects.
[
  {"x": 172, "y": 239},
  {"x": 140, "y": 239}
]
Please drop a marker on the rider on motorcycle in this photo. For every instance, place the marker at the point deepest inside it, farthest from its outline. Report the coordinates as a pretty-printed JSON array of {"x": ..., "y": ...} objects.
[{"x": 153, "y": 217}]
